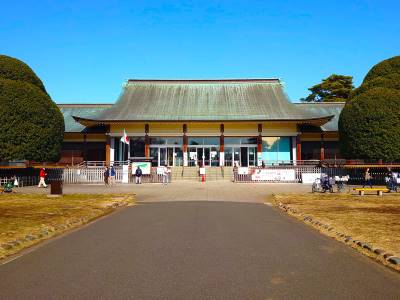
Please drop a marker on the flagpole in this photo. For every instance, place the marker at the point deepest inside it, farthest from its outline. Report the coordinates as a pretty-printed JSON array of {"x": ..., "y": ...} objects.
[
  {"x": 123, "y": 151},
  {"x": 129, "y": 151}
]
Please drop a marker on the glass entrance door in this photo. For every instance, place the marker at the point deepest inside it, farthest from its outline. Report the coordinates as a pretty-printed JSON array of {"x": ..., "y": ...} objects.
[
  {"x": 166, "y": 156},
  {"x": 244, "y": 162},
  {"x": 200, "y": 157},
  {"x": 236, "y": 156},
  {"x": 206, "y": 157},
  {"x": 163, "y": 157}
]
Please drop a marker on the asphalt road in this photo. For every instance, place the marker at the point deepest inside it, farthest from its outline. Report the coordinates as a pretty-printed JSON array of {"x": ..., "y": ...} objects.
[{"x": 196, "y": 250}]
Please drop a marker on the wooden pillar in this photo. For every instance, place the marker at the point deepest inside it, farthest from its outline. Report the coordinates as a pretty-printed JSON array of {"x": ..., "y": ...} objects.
[
  {"x": 259, "y": 145},
  {"x": 298, "y": 147},
  {"x": 146, "y": 141},
  {"x": 108, "y": 139},
  {"x": 259, "y": 138},
  {"x": 185, "y": 145},
  {"x": 322, "y": 150},
  {"x": 222, "y": 146},
  {"x": 84, "y": 147}
]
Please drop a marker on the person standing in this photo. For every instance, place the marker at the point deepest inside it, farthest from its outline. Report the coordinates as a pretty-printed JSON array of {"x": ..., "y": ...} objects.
[
  {"x": 165, "y": 175},
  {"x": 138, "y": 175},
  {"x": 106, "y": 176},
  {"x": 42, "y": 176},
  {"x": 367, "y": 178},
  {"x": 112, "y": 176}
]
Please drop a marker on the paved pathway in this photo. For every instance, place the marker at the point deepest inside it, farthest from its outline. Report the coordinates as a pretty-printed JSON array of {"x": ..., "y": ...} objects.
[
  {"x": 187, "y": 190},
  {"x": 196, "y": 250}
]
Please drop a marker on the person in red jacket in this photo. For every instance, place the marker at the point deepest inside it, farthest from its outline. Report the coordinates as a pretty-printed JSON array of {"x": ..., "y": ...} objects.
[{"x": 42, "y": 176}]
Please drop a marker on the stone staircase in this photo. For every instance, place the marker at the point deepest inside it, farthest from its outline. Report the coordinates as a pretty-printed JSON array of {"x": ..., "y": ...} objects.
[{"x": 192, "y": 173}]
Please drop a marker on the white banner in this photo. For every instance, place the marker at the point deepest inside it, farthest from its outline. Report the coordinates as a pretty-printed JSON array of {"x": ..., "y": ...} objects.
[
  {"x": 243, "y": 170},
  {"x": 274, "y": 175},
  {"x": 144, "y": 166},
  {"x": 309, "y": 177},
  {"x": 125, "y": 174}
]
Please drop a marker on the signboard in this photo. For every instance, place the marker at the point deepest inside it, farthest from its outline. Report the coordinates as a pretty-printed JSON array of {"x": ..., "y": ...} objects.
[
  {"x": 160, "y": 170},
  {"x": 274, "y": 175},
  {"x": 243, "y": 171},
  {"x": 125, "y": 174},
  {"x": 202, "y": 171},
  {"x": 144, "y": 166},
  {"x": 308, "y": 178}
]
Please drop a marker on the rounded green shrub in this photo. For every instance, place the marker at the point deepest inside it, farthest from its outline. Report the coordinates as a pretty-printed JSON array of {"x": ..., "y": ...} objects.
[
  {"x": 384, "y": 68},
  {"x": 14, "y": 69},
  {"x": 390, "y": 81},
  {"x": 369, "y": 126},
  {"x": 31, "y": 124}
]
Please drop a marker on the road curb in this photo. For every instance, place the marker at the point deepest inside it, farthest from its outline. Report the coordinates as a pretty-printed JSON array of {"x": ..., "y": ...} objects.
[{"x": 387, "y": 258}]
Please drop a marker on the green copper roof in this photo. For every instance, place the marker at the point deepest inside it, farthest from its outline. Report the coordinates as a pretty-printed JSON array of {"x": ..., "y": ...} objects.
[
  {"x": 323, "y": 109},
  {"x": 203, "y": 100},
  {"x": 81, "y": 110}
]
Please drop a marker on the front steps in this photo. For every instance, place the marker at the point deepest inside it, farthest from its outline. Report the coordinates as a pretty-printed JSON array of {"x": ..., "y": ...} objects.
[{"x": 192, "y": 173}]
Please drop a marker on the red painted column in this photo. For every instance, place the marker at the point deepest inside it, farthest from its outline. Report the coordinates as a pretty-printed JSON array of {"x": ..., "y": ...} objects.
[
  {"x": 298, "y": 147},
  {"x": 108, "y": 139},
  {"x": 185, "y": 145},
  {"x": 146, "y": 141}
]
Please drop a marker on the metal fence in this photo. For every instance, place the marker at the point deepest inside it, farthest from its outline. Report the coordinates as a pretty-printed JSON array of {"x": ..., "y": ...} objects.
[
  {"x": 298, "y": 171},
  {"x": 356, "y": 175},
  {"x": 96, "y": 175}
]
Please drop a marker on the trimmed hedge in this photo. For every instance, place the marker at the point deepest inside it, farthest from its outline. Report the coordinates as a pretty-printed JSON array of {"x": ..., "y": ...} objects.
[
  {"x": 31, "y": 124},
  {"x": 390, "y": 81},
  {"x": 384, "y": 68},
  {"x": 369, "y": 125},
  {"x": 14, "y": 69}
]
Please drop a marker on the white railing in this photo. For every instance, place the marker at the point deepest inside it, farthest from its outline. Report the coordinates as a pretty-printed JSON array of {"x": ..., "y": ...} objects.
[
  {"x": 298, "y": 170},
  {"x": 96, "y": 175},
  {"x": 89, "y": 175}
]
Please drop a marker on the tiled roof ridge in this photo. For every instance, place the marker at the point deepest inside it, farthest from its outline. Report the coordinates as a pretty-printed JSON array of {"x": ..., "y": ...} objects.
[
  {"x": 319, "y": 103},
  {"x": 84, "y": 104},
  {"x": 238, "y": 80}
]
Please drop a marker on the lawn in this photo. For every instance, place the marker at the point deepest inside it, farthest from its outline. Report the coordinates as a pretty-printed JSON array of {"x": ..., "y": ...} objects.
[
  {"x": 370, "y": 218},
  {"x": 26, "y": 219}
]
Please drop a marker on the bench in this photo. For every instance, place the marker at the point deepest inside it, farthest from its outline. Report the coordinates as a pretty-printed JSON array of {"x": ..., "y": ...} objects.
[{"x": 379, "y": 191}]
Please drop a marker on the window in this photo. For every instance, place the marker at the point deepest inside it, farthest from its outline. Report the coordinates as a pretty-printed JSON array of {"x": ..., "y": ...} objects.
[
  {"x": 240, "y": 140},
  {"x": 137, "y": 146},
  {"x": 276, "y": 149}
]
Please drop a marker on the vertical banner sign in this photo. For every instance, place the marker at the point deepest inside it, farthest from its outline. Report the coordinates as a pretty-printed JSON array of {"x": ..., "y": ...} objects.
[{"x": 125, "y": 174}]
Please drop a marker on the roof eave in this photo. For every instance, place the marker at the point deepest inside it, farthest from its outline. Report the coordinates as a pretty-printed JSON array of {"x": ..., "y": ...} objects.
[{"x": 319, "y": 121}]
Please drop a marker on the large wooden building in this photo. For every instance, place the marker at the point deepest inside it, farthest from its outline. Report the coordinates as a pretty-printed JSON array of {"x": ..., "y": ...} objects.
[{"x": 202, "y": 122}]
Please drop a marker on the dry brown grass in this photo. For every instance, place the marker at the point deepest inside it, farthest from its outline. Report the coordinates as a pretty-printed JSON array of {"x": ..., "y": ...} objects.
[
  {"x": 33, "y": 215},
  {"x": 370, "y": 218}
]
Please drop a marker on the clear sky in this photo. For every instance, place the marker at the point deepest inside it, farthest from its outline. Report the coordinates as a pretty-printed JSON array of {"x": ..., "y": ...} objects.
[{"x": 84, "y": 50}]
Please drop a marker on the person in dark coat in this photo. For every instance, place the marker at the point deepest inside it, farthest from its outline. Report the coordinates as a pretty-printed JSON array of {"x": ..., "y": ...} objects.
[
  {"x": 138, "y": 175},
  {"x": 107, "y": 176}
]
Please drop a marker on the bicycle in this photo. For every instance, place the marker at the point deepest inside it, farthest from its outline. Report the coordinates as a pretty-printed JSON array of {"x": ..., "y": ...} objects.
[{"x": 342, "y": 184}]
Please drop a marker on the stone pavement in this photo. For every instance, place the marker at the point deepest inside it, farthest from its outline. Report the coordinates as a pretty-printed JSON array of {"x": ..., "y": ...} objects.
[{"x": 186, "y": 190}]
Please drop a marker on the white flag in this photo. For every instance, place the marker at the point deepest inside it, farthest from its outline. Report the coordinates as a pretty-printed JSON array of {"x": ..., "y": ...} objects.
[{"x": 125, "y": 138}]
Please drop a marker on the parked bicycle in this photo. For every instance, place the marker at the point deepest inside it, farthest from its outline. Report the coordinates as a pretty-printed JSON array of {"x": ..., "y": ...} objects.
[
  {"x": 342, "y": 184},
  {"x": 322, "y": 184}
]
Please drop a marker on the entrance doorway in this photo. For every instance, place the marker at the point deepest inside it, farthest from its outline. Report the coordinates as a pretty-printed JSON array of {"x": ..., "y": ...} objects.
[
  {"x": 241, "y": 156},
  {"x": 203, "y": 156},
  {"x": 166, "y": 156}
]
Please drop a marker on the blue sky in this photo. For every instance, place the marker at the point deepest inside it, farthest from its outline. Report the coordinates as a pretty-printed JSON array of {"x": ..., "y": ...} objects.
[{"x": 84, "y": 50}]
